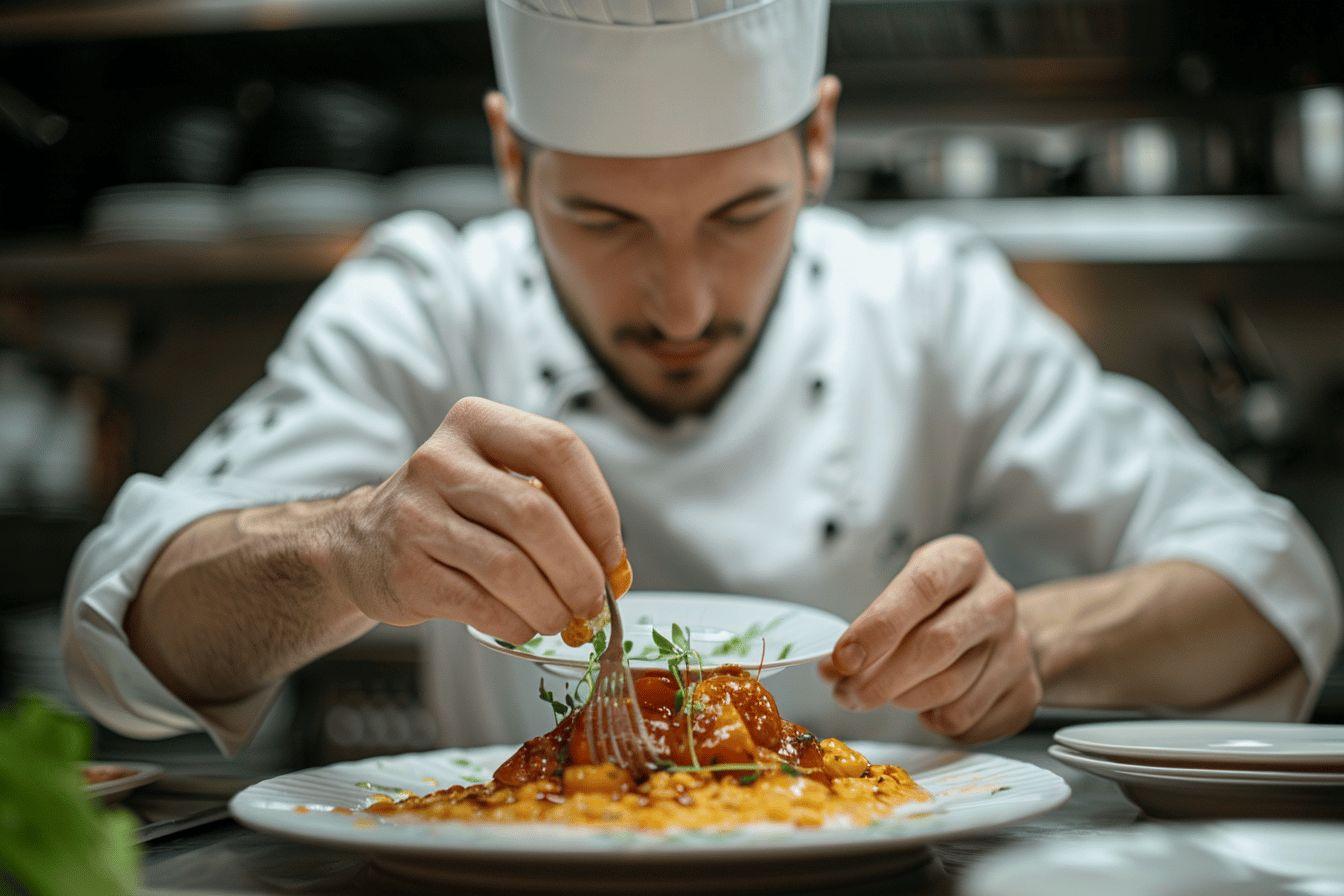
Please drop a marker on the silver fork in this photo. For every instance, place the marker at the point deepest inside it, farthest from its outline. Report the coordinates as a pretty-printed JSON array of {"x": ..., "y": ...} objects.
[{"x": 613, "y": 724}]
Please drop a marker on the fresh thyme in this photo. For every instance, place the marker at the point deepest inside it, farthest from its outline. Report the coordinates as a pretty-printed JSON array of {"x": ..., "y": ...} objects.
[{"x": 569, "y": 701}]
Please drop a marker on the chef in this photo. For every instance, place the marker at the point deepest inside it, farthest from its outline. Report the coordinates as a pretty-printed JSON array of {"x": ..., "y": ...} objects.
[{"x": 721, "y": 384}]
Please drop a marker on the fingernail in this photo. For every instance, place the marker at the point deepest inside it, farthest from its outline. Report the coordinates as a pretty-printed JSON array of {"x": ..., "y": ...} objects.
[
  {"x": 850, "y": 658},
  {"x": 621, "y": 577}
]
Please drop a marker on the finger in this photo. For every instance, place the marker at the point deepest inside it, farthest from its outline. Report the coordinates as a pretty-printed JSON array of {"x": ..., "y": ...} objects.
[
  {"x": 1009, "y": 715},
  {"x": 530, "y": 518},
  {"x": 1009, "y": 663},
  {"x": 947, "y": 686},
  {"x": 826, "y": 669},
  {"x": 936, "y": 573},
  {"x": 933, "y": 646},
  {"x": 502, "y": 569},
  {"x": 458, "y": 596},
  {"x": 537, "y": 446}
]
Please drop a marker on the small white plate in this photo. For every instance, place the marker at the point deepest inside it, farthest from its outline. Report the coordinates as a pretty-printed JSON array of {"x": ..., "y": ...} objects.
[
  {"x": 724, "y": 628},
  {"x": 1243, "y": 744},
  {"x": 1216, "y": 793},
  {"x": 117, "y": 789},
  {"x": 1230, "y": 858},
  {"x": 972, "y": 793}
]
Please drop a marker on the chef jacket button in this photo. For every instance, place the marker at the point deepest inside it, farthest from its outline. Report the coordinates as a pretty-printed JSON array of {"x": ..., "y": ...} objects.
[
  {"x": 830, "y": 531},
  {"x": 817, "y": 269},
  {"x": 547, "y": 373},
  {"x": 270, "y": 419},
  {"x": 220, "y": 468},
  {"x": 224, "y": 428},
  {"x": 526, "y": 282},
  {"x": 818, "y": 388},
  {"x": 583, "y": 401}
]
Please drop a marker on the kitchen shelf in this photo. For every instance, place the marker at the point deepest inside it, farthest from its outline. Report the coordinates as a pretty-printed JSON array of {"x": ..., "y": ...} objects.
[
  {"x": 69, "y": 264},
  {"x": 1190, "y": 230},
  {"x": 1126, "y": 229},
  {"x": 39, "y": 20}
]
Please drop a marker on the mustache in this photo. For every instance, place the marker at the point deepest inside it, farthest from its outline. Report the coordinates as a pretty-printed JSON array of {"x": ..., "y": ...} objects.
[{"x": 716, "y": 330}]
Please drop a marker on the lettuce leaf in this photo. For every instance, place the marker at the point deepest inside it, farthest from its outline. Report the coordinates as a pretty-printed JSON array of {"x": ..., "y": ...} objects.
[{"x": 55, "y": 840}]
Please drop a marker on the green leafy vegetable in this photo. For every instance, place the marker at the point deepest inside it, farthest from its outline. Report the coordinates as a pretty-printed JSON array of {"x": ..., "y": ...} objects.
[{"x": 55, "y": 840}]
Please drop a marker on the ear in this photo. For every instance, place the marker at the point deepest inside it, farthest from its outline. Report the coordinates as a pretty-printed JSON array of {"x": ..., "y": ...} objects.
[
  {"x": 508, "y": 152},
  {"x": 819, "y": 137}
]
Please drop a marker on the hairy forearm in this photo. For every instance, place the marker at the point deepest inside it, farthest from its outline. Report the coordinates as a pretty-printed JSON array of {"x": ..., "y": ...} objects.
[
  {"x": 238, "y": 600},
  {"x": 1172, "y": 634}
]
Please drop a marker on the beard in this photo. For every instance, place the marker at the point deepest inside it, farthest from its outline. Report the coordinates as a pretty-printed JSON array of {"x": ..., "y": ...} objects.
[{"x": 718, "y": 330}]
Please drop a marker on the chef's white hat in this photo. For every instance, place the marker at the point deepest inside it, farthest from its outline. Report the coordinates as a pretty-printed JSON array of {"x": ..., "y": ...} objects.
[{"x": 656, "y": 77}]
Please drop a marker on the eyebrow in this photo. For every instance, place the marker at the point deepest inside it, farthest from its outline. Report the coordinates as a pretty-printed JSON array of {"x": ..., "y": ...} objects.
[{"x": 584, "y": 204}]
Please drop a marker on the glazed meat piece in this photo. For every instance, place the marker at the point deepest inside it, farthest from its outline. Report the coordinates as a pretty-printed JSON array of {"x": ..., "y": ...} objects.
[{"x": 733, "y": 720}]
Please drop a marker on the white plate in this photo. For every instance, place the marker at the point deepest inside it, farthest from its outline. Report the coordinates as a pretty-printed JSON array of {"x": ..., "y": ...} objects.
[
  {"x": 118, "y": 789},
  {"x": 725, "y": 628},
  {"x": 1217, "y": 793},
  {"x": 1242, "y": 744},
  {"x": 1231, "y": 857},
  {"x": 973, "y": 793},
  {"x": 1264, "y": 775}
]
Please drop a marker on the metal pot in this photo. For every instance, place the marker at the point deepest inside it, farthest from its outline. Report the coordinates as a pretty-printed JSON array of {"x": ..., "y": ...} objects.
[
  {"x": 1160, "y": 157},
  {"x": 972, "y": 164},
  {"x": 1309, "y": 145}
]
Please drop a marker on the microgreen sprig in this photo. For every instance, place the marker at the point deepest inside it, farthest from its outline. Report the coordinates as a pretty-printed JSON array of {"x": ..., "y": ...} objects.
[{"x": 569, "y": 701}]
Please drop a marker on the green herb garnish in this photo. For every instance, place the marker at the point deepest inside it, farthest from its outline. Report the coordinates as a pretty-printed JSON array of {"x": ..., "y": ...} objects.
[{"x": 55, "y": 840}]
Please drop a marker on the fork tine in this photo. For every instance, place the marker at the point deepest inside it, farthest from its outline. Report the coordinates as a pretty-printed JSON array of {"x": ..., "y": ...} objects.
[{"x": 613, "y": 724}]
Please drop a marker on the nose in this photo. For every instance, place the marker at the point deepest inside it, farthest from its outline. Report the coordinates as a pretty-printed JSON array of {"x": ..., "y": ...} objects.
[{"x": 681, "y": 300}]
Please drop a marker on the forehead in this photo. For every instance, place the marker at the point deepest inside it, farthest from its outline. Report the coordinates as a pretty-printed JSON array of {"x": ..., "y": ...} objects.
[{"x": 624, "y": 181}]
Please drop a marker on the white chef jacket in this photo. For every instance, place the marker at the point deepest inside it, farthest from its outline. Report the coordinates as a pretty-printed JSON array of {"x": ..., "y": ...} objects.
[{"x": 906, "y": 386}]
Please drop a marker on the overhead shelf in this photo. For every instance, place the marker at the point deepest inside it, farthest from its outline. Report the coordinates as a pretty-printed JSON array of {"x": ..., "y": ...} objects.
[
  {"x": 68, "y": 264},
  {"x": 1167, "y": 229},
  {"x": 37, "y": 20},
  {"x": 1190, "y": 230}
]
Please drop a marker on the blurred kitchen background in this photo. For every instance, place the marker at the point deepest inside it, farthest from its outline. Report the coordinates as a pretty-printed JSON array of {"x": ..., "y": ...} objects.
[{"x": 177, "y": 175}]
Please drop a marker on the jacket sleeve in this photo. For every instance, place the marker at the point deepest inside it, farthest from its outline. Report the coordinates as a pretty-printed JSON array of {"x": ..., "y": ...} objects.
[
  {"x": 1068, "y": 470},
  {"x": 362, "y": 376}
]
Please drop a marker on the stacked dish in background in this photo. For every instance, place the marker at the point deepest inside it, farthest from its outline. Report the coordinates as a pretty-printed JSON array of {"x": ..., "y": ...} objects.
[{"x": 1195, "y": 769}]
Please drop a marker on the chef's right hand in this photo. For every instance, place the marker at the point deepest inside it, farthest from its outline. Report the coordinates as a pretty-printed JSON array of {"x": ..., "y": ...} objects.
[{"x": 453, "y": 534}]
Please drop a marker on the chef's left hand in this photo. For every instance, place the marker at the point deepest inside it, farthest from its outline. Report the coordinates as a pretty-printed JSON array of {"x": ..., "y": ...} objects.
[{"x": 944, "y": 640}]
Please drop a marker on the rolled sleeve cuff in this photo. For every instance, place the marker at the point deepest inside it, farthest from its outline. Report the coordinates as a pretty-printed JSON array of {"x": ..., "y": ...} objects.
[
  {"x": 1278, "y": 565},
  {"x": 103, "y": 671}
]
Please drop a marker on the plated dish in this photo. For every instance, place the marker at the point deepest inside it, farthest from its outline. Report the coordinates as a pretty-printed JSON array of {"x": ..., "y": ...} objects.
[
  {"x": 730, "y": 781},
  {"x": 970, "y": 793},
  {"x": 726, "y": 759},
  {"x": 114, "y": 781},
  {"x": 754, "y": 632}
]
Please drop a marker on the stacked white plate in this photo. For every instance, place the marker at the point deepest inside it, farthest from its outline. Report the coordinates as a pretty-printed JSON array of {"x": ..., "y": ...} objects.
[{"x": 1194, "y": 769}]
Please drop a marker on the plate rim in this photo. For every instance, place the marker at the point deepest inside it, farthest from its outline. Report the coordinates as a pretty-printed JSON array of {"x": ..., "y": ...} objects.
[
  {"x": 1069, "y": 737},
  {"x": 144, "y": 773},
  {"x": 833, "y": 843},
  {"x": 1122, "y": 772},
  {"x": 491, "y": 643}
]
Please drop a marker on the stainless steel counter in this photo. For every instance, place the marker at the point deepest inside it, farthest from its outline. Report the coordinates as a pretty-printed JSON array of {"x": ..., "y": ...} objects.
[{"x": 226, "y": 858}]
